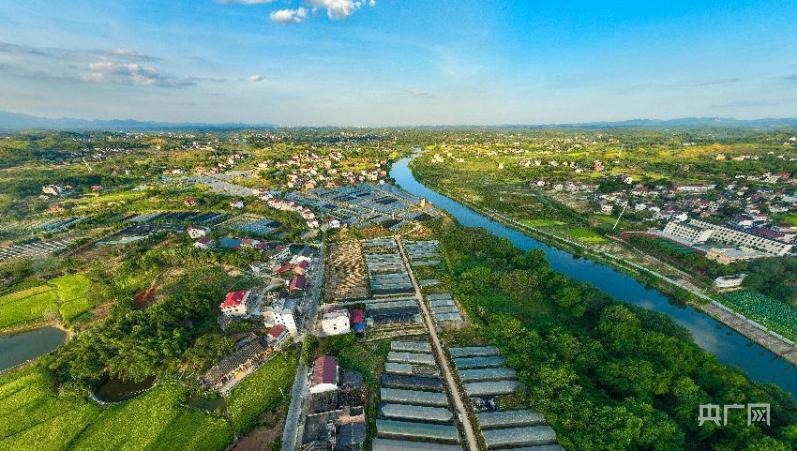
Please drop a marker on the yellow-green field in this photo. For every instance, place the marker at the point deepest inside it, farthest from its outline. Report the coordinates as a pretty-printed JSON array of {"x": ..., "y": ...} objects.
[
  {"x": 65, "y": 296},
  {"x": 32, "y": 413},
  {"x": 540, "y": 223},
  {"x": 587, "y": 236}
]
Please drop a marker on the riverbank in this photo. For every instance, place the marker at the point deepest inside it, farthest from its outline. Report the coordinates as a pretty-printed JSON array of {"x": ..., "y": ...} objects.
[
  {"x": 712, "y": 335},
  {"x": 751, "y": 329}
]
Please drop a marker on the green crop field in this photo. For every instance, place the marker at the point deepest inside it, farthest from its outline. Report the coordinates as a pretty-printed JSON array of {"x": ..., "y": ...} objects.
[
  {"x": 587, "y": 236},
  {"x": 261, "y": 391},
  {"x": 790, "y": 218},
  {"x": 65, "y": 296},
  {"x": 779, "y": 316},
  {"x": 31, "y": 413},
  {"x": 542, "y": 223}
]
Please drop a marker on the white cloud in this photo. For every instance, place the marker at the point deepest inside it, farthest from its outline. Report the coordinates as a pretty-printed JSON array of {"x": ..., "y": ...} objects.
[
  {"x": 245, "y": 2},
  {"x": 123, "y": 73},
  {"x": 256, "y": 78},
  {"x": 340, "y": 9},
  {"x": 288, "y": 15},
  {"x": 417, "y": 92}
]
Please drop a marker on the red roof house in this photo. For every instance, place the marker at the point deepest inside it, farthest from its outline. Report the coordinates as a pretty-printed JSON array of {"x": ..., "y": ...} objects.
[
  {"x": 277, "y": 333},
  {"x": 357, "y": 316},
  {"x": 325, "y": 375},
  {"x": 298, "y": 282},
  {"x": 235, "y": 303}
]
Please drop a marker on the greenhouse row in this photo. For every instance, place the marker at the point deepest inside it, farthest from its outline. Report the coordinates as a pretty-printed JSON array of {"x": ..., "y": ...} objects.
[
  {"x": 487, "y": 374},
  {"x": 484, "y": 376},
  {"x": 420, "y": 413},
  {"x": 491, "y": 388},
  {"x": 509, "y": 418},
  {"x": 412, "y": 382},
  {"x": 411, "y": 346},
  {"x": 383, "y": 444},
  {"x": 415, "y": 412},
  {"x": 521, "y": 436},
  {"x": 444, "y": 309},
  {"x": 414, "y": 397},
  {"x": 464, "y": 363},
  {"x": 474, "y": 351},
  {"x": 410, "y": 357},
  {"x": 414, "y": 430}
]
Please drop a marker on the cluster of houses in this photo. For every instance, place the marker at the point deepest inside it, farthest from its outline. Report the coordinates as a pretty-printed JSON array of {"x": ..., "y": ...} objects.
[
  {"x": 282, "y": 300},
  {"x": 660, "y": 203},
  {"x": 289, "y": 205},
  {"x": 308, "y": 171}
]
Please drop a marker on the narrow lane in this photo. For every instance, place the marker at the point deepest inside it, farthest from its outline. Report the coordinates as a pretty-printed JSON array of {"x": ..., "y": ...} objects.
[{"x": 299, "y": 389}]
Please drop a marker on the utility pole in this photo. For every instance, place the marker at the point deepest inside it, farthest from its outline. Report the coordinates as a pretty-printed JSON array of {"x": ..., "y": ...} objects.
[{"x": 618, "y": 218}]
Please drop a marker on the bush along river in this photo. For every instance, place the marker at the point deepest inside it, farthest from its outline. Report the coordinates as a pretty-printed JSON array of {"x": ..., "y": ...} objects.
[
  {"x": 729, "y": 346},
  {"x": 22, "y": 347}
]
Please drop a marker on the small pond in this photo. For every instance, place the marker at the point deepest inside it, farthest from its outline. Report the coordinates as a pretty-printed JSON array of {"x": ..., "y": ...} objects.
[
  {"x": 116, "y": 390},
  {"x": 19, "y": 348}
]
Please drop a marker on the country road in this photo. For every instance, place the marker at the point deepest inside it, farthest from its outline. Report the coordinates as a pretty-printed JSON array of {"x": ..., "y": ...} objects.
[{"x": 299, "y": 389}]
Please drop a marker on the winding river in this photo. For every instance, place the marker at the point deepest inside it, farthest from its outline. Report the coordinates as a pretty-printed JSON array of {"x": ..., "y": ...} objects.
[{"x": 729, "y": 346}]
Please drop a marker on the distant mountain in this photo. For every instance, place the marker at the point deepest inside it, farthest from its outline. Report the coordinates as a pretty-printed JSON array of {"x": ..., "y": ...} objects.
[
  {"x": 16, "y": 121},
  {"x": 691, "y": 122}
]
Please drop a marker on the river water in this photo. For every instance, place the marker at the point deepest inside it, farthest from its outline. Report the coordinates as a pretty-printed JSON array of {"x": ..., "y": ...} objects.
[
  {"x": 729, "y": 346},
  {"x": 18, "y": 349}
]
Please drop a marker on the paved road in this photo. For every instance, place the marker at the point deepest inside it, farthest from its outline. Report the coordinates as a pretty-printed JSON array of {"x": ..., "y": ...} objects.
[
  {"x": 442, "y": 358},
  {"x": 299, "y": 390}
]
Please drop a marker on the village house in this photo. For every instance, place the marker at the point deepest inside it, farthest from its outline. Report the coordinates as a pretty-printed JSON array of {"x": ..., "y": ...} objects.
[
  {"x": 235, "y": 303},
  {"x": 203, "y": 243},
  {"x": 283, "y": 312},
  {"x": 335, "y": 322},
  {"x": 325, "y": 375},
  {"x": 197, "y": 232},
  {"x": 277, "y": 335}
]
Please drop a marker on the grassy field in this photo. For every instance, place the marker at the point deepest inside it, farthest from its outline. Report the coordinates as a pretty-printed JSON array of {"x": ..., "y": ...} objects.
[
  {"x": 539, "y": 223},
  {"x": 790, "y": 218},
  {"x": 65, "y": 296},
  {"x": 260, "y": 391},
  {"x": 30, "y": 412},
  {"x": 587, "y": 236}
]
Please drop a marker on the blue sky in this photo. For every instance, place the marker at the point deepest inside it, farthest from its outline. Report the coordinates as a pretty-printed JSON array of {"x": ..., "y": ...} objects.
[{"x": 398, "y": 62}]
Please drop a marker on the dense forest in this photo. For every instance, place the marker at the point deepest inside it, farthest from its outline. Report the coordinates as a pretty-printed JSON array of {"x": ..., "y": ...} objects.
[{"x": 607, "y": 375}]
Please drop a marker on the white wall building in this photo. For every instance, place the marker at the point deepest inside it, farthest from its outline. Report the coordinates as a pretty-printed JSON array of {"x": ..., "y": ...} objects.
[
  {"x": 335, "y": 322},
  {"x": 739, "y": 238},
  {"x": 283, "y": 312},
  {"x": 685, "y": 233}
]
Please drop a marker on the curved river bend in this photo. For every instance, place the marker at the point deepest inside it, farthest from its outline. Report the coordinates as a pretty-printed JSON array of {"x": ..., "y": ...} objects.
[{"x": 729, "y": 346}]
